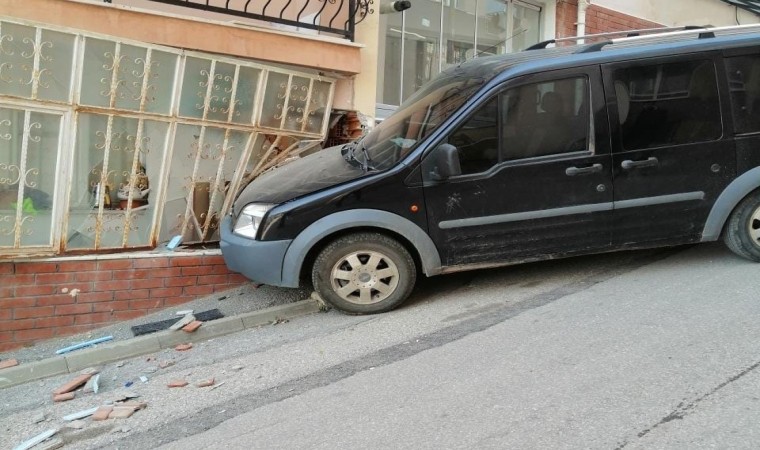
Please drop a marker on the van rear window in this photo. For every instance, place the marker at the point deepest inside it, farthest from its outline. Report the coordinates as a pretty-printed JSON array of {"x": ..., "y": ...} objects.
[
  {"x": 668, "y": 104},
  {"x": 744, "y": 85}
]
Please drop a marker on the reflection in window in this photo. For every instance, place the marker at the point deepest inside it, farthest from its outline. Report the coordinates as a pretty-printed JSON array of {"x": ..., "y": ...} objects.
[
  {"x": 546, "y": 118},
  {"x": 668, "y": 104},
  {"x": 434, "y": 35},
  {"x": 744, "y": 85},
  {"x": 477, "y": 141}
]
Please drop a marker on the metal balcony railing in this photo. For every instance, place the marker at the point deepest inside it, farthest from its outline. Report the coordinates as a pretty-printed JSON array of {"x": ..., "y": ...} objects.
[{"x": 336, "y": 17}]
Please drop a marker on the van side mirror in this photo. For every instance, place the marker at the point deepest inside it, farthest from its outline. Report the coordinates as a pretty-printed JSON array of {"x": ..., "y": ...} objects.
[{"x": 446, "y": 163}]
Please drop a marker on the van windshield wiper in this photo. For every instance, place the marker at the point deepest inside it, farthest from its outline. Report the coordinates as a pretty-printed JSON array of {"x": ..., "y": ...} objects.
[
  {"x": 367, "y": 166},
  {"x": 348, "y": 151}
]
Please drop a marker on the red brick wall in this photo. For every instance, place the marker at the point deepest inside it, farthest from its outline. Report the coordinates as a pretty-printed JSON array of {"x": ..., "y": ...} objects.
[
  {"x": 598, "y": 20},
  {"x": 36, "y": 301}
]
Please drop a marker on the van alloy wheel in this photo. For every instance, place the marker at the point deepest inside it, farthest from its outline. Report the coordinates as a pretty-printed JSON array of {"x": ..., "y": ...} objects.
[
  {"x": 364, "y": 273},
  {"x": 742, "y": 231},
  {"x": 364, "y": 277},
  {"x": 754, "y": 227}
]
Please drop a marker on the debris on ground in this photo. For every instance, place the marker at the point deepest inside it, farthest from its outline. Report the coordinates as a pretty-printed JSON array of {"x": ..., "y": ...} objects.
[
  {"x": 184, "y": 312},
  {"x": 237, "y": 368},
  {"x": 90, "y": 371},
  {"x": 92, "y": 384},
  {"x": 135, "y": 404},
  {"x": 203, "y": 316},
  {"x": 73, "y": 384},
  {"x": 216, "y": 385},
  {"x": 177, "y": 383},
  {"x": 205, "y": 383},
  {"x": 29, "y": 443},
  {"x": 102, "y": 413},
  {"x": 83, "y": 345},
  {"x": 192, "y": 326},
  {"x": 280, "y": 320},
  {"x": 125, "y": 395},
  {"x": 63, "y": 397},
  {"x": 183, "y": 347},
  {"x": 39, "y": 418},
  {"x": 8, "y": 363},
  {"x": 165, "y": 364},
  {"x": 80, "y": 414},
  {"x": 188, "y": 318},
  {"x": 143, "y": 378},
  {"x": 121, "y": 412}
]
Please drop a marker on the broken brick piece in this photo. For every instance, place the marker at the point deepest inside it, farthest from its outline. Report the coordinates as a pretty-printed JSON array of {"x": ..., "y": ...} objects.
[
  {"x": 165, "y": 364},
  {"x": 134, "y": 404},
  {"x": 102, "y": 413},
  {"x": 63, "y": 397},
  {"x": 182, "y": 322},
  {"x": 8, "y": 363},
  {"x": 192, "y": 326},
  {"x": 73, "y": 384},
  {"x": 177, "y": 383},
  {"x": 206, "y": 383},
  {"x": 183, "y": 347},
  {"x": 121, "y": 412}
]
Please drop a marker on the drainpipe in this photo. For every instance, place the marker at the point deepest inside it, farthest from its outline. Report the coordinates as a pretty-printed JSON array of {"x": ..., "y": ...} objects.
[{"x": 581, "y": 23}]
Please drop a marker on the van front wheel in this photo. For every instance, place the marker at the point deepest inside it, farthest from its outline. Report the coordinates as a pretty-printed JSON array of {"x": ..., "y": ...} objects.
[
  {"x": 364, "y": 273},
  {"x": 742, "y": 233}
]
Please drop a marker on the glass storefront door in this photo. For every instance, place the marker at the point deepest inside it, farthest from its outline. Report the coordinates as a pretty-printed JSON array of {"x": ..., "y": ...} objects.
[{"x": 419, "y": 43}]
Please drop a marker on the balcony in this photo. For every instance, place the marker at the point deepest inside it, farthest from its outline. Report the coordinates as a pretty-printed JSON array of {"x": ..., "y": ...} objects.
[{"x": 331, "y": 17}]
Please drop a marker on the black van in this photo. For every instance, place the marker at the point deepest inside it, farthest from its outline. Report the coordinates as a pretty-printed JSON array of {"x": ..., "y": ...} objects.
[{"x": 637, "y": 142}]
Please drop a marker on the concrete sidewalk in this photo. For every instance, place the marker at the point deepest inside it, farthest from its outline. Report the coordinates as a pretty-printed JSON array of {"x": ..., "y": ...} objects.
[{"x": 244, "y": 307}]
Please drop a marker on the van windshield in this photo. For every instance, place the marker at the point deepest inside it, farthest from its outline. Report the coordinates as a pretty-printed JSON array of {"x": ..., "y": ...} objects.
[{"x": 415, "y": 119}]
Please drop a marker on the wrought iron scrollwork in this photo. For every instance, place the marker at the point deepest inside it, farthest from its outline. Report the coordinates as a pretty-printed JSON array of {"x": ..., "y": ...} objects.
[{"x": 338, "y": 17}]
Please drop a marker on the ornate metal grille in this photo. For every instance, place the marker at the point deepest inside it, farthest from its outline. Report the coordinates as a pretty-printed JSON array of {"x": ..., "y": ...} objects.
[
  {"x": 338, "y": 17},
  {"x": 116, "y": 144}
]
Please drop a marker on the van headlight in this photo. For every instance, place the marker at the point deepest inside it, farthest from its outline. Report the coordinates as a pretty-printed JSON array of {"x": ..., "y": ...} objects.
[{"x": 250, "y": 218}]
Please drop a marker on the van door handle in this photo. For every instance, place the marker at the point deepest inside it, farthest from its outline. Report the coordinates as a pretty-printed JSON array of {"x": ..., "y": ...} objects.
[
  {"x": 573, "y": 171},
  {"x": 649, "y": 162}
]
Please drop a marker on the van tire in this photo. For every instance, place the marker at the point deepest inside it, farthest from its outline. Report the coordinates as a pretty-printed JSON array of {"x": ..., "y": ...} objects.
[
  {"x": 364, "y": 273},
  {"x": 742, "y": 232}
]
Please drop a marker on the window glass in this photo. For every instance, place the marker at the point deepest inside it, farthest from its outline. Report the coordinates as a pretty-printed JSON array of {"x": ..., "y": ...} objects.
[
  {"x": 744, "y": 85},
  {"x": 667, "y": 104},
  {"x": 29, "y": 142},
  {"x": 546, "y": 118},
  {"x": 477, "y": 141}
]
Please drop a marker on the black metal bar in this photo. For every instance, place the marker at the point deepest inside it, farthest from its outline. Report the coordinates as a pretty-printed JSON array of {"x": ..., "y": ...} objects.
[{"x": 355, "y": 11}]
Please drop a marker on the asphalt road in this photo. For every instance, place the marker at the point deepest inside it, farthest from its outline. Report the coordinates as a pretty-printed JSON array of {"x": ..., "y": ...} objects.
[{"x": 651, "y": 349}]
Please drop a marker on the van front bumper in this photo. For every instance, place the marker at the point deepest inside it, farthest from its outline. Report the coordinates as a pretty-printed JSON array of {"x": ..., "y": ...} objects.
[{"x": 261, "y": 261}]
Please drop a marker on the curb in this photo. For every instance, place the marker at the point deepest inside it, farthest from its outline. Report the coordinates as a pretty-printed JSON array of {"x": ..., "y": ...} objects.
[{"x": 115, "y": 351}]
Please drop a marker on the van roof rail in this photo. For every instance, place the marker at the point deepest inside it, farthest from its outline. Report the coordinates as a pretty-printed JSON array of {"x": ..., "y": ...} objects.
[
  {"x": 664, "y": 34},
  {"x": 546, "y": 43},
  {"x": 625, "y": 33},
  {"x": 705, "y": 32}
]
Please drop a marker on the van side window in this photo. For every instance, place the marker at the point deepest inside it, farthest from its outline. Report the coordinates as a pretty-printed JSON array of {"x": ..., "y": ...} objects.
[
  {"x": 478, "y": 139},
  {"x": 667, "y": 104},
  {"x": 546, "y": 118},
  {"x": 744, "y": 85}
]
